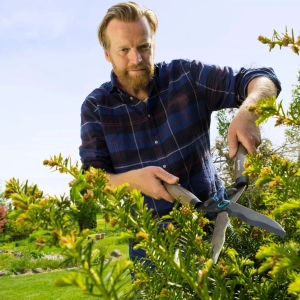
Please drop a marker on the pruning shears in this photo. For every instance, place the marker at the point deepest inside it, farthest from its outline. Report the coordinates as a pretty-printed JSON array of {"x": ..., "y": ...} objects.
[{"x": 227, "y": 206}]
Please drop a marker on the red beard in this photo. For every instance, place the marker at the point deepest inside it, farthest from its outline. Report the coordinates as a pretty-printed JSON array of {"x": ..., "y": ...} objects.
[{"x": 135, "y": 81}]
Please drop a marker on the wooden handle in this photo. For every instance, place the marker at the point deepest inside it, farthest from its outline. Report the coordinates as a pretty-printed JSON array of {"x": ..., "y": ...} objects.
[{"x": 186, "y": 197}]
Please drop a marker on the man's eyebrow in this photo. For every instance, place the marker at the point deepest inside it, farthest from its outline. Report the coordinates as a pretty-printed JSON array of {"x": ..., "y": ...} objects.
[
  {"x": 123, "y": 46},
  {"x": 142, "y": 43}
]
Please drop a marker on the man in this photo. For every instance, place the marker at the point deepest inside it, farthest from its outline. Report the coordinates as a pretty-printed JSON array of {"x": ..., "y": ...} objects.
[{"x": 151, "y": 122}]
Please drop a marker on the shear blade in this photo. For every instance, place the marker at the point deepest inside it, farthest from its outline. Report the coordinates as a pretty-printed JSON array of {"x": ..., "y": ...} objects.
[
  {"x": 254, "y": 218},
  {"x": 236, "y": 196}
]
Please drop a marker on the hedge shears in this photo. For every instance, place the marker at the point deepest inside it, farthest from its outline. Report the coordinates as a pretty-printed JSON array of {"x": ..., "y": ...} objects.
[{"x": 227, "y": 206}]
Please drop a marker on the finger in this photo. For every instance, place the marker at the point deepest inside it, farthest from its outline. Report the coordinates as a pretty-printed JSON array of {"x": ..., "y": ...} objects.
[
  {"x": 162, "y": 193},
  {"x": 232, "y": 144},
  {"x": 250, "y": 148},
  {"x": 166, "y": 176},
  {"x": 250, "y": 144},
  {"x": 167, "y": 196}
]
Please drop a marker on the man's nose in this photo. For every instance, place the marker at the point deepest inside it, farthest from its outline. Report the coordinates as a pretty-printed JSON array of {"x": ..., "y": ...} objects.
[{"x": 135, "y": 57}]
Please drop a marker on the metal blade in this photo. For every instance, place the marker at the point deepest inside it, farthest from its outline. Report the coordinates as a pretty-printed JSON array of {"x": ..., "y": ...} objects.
[
  {"x": 254, "y": 218},
  {"x": 219, "y": 234},
  {"x": 222, "y": 220},
  {"x": 236, "y": 196}
]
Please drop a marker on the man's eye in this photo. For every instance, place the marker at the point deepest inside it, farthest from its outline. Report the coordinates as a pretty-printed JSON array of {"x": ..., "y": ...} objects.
[{"x": 123, "y": 50}]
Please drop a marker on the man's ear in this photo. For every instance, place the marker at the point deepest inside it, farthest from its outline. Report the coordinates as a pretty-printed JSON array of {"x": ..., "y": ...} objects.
[{"x": 106, "y": 54}]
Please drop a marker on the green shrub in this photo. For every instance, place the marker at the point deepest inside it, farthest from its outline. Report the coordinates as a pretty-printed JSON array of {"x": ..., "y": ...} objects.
[
  {"x": 254, "y": 264},
  {"x": 16, "y": 232},
  {"x": 38, "y": 234}
]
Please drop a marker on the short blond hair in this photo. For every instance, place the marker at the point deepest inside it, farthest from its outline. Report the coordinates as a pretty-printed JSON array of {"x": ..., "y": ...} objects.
[{"x": 126, "y": 12}]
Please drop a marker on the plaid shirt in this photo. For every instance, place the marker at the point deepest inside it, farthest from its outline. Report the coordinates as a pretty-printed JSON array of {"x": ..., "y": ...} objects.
[{"x": 170, "y": 130}]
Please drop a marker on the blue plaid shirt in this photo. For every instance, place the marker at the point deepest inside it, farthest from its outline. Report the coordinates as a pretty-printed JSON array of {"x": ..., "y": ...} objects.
[{"x": 171, "y": 129}]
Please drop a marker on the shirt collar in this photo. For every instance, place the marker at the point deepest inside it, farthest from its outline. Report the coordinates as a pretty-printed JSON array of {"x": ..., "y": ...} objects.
[{"x": 113, "y": 79}]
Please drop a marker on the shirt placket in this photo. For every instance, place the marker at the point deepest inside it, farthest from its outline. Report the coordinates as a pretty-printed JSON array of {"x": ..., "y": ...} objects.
[{"x": 157, "y": 143}]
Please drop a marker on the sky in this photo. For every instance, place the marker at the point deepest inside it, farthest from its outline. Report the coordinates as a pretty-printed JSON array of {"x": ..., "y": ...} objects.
[{"x": 50, "y": 60}]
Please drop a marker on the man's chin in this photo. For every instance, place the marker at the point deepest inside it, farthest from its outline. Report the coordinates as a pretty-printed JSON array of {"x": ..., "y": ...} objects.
[
  {"x": 137, "y": 86},
  {"x": 136, "y": 82}
]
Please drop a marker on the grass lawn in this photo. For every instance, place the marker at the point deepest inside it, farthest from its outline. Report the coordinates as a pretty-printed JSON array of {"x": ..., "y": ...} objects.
[
  {"x": 41, "y": 286},
  {"x": 38, "y": 287}
]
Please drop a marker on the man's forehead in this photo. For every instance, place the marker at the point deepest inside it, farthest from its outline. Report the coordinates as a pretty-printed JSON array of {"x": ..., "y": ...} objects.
[
  {"x": 116, "y": 25},
  {"x": 123, "y": 33}
]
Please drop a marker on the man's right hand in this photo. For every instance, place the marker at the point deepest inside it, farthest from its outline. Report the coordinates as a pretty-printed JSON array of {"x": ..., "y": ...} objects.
[{"x": 148, "y": 180}]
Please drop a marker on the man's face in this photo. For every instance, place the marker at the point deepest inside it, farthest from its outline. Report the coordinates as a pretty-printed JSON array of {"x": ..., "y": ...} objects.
[{"x": 131, "y": 52}]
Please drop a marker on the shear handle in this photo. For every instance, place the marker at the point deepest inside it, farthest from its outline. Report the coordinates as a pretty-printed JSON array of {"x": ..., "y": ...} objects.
[{"x": 240, "y": 180}]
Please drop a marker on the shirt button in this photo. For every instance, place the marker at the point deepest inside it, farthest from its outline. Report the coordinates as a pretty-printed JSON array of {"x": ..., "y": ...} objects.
[
  {"x": 148, "y": 116},
  {"x": 164, "y": 166},
  {"x": 131, "y": 98},
  {"x": 156, "y": 142}
]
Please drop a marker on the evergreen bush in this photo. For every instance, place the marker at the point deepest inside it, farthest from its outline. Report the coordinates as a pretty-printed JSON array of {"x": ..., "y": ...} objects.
[{"x": 254, "y": 264}]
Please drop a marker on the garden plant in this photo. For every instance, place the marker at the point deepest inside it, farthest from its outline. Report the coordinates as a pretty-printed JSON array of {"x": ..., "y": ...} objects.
[{"x": 253, "y": 264}]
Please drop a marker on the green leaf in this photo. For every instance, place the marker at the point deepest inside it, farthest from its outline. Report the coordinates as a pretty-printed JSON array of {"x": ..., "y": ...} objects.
[
  {"x": 295, "y": 286},
  {"x": 72, "y": 278},
  {"x": 292, "y": 205},
  {"x": 78, "y": 186},
  {"x": 297, "y": 173}
]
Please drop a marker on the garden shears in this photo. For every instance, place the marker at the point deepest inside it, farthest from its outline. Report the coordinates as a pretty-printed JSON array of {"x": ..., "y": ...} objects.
[{"x": 227, "y": 206}]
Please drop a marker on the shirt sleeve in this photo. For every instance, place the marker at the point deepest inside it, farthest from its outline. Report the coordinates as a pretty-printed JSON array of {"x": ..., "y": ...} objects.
[
  {"x": 224, "y": 87},
  {"x": 93, "y": 150}
]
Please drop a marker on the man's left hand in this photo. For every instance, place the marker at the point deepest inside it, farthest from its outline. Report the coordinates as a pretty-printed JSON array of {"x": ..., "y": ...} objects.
[{"x": 243, "y": 128}]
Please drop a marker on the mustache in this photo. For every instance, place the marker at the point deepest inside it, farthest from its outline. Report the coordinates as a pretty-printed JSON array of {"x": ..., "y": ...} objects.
[{"x": 138, "y": 67}]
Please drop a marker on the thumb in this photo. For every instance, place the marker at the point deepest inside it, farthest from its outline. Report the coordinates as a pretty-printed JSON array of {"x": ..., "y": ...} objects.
[{"x": 166, "y": 176}]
